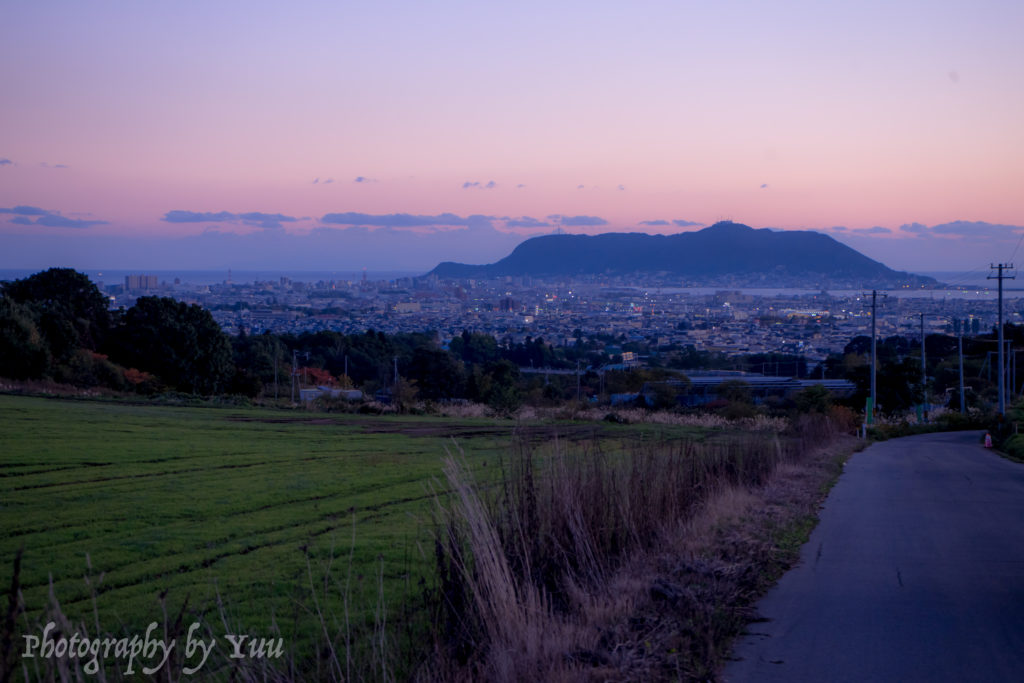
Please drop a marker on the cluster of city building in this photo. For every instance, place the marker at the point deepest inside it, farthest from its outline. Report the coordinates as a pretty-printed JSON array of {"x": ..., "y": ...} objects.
[{"x": 744, "y": 321}]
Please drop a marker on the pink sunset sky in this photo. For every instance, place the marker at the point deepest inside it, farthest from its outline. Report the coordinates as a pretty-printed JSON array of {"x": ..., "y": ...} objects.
[{"x": 201, "y": 134}]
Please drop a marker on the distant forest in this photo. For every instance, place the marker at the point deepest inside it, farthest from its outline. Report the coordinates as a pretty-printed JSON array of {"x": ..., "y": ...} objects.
[{"x": 56, "y": 326}]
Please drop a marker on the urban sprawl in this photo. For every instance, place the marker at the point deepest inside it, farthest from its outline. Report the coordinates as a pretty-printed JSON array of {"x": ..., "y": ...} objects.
[{"x": 811, "y": 324}]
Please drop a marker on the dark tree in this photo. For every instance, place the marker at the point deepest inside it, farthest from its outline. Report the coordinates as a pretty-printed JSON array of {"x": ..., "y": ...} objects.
[
  {"x": 181, "y": 344},
  {"x": 437, "y": 374},
  {"x": 68, "y": 310},
  {"x": 898, "y": 383},
  {"x": 475, "y": 347},
  {"x": 253, "y": 356},
  {"x": 500, "y": 386},
  {"x": 23, "y": 351}
]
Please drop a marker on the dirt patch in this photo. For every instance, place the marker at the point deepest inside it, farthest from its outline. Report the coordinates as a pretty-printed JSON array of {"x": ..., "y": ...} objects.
[
  {"x": 444, "y": 429},
  {"x": 287, "y": 420},
  {"x": 266, "y": 420}
]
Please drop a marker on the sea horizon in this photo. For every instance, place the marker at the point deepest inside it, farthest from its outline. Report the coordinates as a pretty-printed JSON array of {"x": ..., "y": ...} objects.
[{"x": 113, "y": 276}]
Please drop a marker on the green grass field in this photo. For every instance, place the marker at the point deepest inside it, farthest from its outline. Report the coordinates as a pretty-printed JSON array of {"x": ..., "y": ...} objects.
[{"x": 193, "y": 501}]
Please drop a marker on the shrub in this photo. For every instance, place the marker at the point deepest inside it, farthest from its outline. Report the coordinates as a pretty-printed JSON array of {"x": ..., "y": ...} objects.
[
  {"x": 738, "y": 410},
  {"x": 843, "y": 418},
  {"x": 814, "y": 399},
  {"x": 90, "y": 369}
]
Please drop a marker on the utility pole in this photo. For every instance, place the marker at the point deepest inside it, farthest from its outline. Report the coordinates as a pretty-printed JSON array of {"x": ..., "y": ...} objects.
[
  {"x": 870, "y": 413},
  {"x": 1011, "y": 369},
  {"x": 924, "y": 376},
  {"x": 960, "y": 347},
  {"x": 1002, "y": 360},
  {"x": 579, "y": 386},
  {"x": 295, "y": 368}
]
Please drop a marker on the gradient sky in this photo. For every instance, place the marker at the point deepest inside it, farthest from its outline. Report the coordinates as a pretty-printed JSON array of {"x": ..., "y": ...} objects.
[{"x": 253, "y": 134}]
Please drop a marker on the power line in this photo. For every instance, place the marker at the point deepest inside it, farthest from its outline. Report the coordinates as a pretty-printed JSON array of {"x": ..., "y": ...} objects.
[
  {"x": 1018, "y": 246},
  {"x": 966, "y": 276}
]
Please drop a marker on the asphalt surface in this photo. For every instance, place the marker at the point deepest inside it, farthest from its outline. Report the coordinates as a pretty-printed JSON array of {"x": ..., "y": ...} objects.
[{"x": 915, "y": 573}]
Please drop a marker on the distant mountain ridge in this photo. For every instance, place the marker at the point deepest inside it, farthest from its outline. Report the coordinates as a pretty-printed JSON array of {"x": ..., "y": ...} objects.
[{"x": 724, "y": 253}]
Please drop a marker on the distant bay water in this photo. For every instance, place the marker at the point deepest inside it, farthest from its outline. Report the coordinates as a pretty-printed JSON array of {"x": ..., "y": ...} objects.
[
  {"x": 960, "y": 285},
  {"x": 966, "y": 294}
]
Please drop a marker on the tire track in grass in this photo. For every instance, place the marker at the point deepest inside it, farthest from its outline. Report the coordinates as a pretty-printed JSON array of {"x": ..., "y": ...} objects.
[
  {"x": 284, "y": 522},
  {"x": 148, "y": 475},
  {"x": 89, "y": 464},
  {"x": 161, "y": 571},
  {"x": 221, "y": 517},
  {"x": 287, "y": 467},
  {"x": 130, "y": 463},
  {"x": 204, "y": 544}
]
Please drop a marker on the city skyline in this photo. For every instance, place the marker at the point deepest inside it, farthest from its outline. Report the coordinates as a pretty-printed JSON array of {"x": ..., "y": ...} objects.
[{"x": 396, "y": 135}]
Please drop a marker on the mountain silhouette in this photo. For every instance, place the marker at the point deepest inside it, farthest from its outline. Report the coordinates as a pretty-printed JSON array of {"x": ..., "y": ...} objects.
[{"x": 723, "y": 252}]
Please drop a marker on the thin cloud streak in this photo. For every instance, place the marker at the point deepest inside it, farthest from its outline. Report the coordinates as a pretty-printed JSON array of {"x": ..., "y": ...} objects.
[
  {"x": 405, "y": 220},
  {"x": 34, "y": 215},
  {"x": 253, "y": 218},
  {"x": 26, "y": 211}
]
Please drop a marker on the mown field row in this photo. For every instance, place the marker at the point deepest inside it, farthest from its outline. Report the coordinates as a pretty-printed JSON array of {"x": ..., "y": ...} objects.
[{"x": 201, "y": 501}]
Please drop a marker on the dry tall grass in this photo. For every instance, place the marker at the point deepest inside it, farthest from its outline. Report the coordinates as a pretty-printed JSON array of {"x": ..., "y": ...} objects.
[
  {"x": 535, "y": 570},
  {"x": 757, "y": 423}
]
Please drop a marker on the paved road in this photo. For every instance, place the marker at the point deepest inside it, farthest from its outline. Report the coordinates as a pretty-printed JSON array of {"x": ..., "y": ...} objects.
[{"x": 915, "y": 573}]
